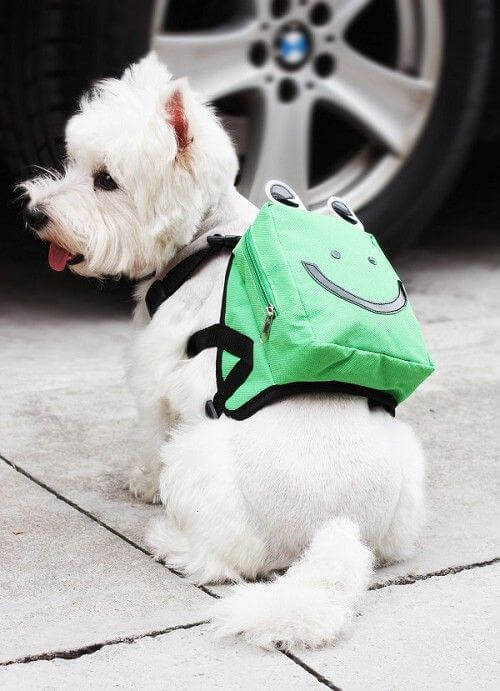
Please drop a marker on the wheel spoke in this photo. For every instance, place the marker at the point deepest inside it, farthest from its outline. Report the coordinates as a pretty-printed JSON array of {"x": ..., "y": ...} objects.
[
  {"x": 215, "y": 61},
  {"x": 339, "y": 182},
  {"x": 261, "y": 9},
  {"x": 345, "y": 11},
  {"x": 386, "y": 103},
  {"x": 283, "y": 150}
]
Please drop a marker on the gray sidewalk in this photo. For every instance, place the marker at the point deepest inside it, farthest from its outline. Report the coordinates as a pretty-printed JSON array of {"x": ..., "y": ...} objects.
[{"x": 84, "y": 606}]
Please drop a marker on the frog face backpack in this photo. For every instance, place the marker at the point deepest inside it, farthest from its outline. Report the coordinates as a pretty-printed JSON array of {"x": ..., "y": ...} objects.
[{"x": 310, "y": 304}]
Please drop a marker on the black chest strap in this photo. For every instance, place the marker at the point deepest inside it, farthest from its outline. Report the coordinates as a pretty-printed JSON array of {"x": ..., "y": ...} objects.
[
  {"x": 162, "y": 289},
  {"x": 225, "y": 339}
]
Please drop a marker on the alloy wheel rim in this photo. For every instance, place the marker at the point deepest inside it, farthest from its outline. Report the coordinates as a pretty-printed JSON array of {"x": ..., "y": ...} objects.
[{"x": 293, "y": 57}]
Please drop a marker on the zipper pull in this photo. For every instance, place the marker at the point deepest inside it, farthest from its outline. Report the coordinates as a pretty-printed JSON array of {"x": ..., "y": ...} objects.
[{"x": 268, "y": 322}]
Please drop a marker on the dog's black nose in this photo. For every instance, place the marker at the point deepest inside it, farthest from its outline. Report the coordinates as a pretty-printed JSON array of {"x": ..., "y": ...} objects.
[{"x": 35, "y": 217}]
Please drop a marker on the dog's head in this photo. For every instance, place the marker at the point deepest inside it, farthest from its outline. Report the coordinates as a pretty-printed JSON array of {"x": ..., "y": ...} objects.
[{"x": 145, "y": 161}]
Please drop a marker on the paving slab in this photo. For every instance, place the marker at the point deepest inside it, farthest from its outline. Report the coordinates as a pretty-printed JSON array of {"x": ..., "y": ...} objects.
[
  {"x": 455, "y": 411},
  {"x": 182, "y": 659},
  {"x": 441, "y": 633},
  {"x": 66, "y": 582},
  {"x": 67, "y": 417},
  {"x": 66, "y": 414}
]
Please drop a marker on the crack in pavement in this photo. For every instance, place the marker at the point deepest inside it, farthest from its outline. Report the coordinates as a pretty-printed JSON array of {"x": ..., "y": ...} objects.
[
  {"x": 75, "y": 653},
  {"x": 107, "y": 527},
  {"x": 450, "y": 570},
  {"x": 322, "y": 680}
]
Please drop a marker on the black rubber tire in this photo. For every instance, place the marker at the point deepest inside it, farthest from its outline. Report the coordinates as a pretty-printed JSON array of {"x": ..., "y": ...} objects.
[
  {"x": 400, "y": 213},
  {"x": 51, "y": 50}
]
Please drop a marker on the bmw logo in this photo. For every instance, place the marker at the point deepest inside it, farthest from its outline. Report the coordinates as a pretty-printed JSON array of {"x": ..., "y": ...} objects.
[{"x": 293, "y": 45}]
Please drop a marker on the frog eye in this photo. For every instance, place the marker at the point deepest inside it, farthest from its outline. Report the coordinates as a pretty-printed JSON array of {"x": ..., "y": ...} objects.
[
  {"x": 338, "y": 207},
  {"x": 282, "y": 193}
]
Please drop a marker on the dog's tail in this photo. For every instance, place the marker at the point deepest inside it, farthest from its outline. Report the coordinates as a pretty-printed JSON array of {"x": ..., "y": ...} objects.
[{"x": 310, "y": 604}]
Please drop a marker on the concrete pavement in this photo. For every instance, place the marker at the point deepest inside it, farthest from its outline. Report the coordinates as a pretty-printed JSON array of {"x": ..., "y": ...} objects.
[{"x": 84, "y": 606}]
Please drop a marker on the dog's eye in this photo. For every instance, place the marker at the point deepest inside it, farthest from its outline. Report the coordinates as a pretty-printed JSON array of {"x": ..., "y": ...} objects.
[{"x": 104, "y": 181}]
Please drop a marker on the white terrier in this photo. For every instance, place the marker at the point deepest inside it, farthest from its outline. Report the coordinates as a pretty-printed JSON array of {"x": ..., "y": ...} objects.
[{"x": 317, "y": 484}]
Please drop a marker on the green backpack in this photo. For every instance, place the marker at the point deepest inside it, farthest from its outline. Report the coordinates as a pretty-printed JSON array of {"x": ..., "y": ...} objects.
[{"x": 310, "y": 304}]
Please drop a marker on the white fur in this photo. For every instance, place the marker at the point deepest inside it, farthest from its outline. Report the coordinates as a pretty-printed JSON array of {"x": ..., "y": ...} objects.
[
  {"x": 318, "y": 484},
  {"x": 312, "y": 602}
]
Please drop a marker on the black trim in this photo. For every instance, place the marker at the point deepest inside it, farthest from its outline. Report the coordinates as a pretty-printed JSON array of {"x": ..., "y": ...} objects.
[{"x": 279, "y": 392}]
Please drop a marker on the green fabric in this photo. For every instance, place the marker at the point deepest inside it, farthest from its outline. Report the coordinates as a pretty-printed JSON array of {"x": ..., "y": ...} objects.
[{"x": 315, "y": 335}]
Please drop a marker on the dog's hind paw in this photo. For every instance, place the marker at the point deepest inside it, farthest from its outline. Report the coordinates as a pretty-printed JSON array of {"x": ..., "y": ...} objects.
[{"x": 143, "y": 484}]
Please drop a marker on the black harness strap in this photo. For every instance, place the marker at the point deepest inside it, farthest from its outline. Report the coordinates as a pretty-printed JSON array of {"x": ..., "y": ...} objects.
[
  {"x": 161, "y": 290},
  {"x": 217, "y": 336},
  {"x": 224, "y": 338}
]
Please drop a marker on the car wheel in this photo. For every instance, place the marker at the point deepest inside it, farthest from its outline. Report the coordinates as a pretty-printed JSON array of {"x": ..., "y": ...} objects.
[{"x": 377, "y": 102}]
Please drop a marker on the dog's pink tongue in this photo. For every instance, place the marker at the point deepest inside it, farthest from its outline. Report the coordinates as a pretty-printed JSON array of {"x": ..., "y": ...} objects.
[{"x": 58, "y": 257}]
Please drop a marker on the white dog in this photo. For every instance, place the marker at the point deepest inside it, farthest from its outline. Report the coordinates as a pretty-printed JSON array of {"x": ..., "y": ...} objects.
[{"x": 317, "y": 484}]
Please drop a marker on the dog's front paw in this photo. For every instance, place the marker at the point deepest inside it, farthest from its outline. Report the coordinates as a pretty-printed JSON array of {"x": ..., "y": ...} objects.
[{"x": 144, "y": 485}]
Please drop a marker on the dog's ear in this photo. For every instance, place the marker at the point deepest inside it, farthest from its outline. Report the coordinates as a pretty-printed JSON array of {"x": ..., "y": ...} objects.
[
  {"x": 176, "y": 116},
  {"x": 148, "y": 72}
]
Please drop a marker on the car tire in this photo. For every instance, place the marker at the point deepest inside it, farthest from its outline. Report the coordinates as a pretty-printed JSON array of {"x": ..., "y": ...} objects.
[
  {"x": 401, "y": 212},
  {"x": 51, "y": 51}
]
